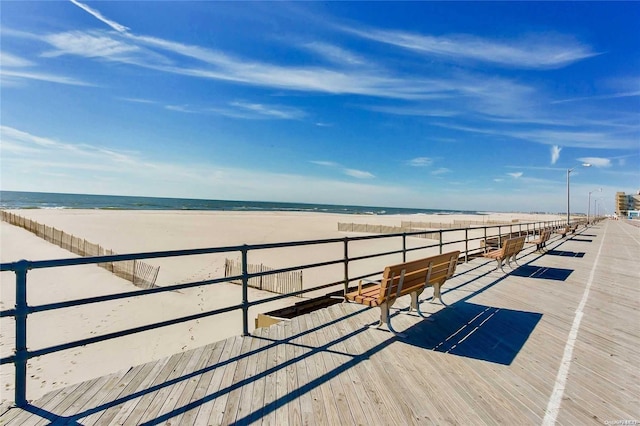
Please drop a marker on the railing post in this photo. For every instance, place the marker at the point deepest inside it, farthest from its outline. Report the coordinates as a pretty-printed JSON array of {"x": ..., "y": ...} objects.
[
  {"x": 499, "y": 236},
  {"x": 21, "y": 333},
  {"x": 245, "y": 296},
  {"x": 466, "y": 245},
  {"x": 404, "y": 247},
  {"x": 440, "y": 238},
  {"x": 346, "y": 267}
]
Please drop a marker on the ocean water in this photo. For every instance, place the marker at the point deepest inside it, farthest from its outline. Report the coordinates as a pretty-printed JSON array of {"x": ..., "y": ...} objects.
[{"x": 42, "y": 200}]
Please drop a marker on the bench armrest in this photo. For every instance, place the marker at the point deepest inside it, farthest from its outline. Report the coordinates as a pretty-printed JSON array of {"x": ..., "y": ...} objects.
[{"x": 366, "y": 281}]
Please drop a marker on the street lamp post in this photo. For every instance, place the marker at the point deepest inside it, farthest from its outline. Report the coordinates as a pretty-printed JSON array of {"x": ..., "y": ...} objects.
[
  {"x": 589, "y": 205},
  {"x": 568, "y": 203}
]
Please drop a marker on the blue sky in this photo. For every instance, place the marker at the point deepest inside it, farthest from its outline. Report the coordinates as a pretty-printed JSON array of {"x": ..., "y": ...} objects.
[{"x": 452, "y": 105}]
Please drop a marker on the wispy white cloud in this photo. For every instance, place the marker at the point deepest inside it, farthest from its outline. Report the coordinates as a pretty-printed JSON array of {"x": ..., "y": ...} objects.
[
  {"x": 420, "y": 162},
  {"x": 182, "y": 108},
  {"x": 17, "y": 76},
  {"x": 516, "y": 175},
  {"x": 416, "y": 111},
  {"x": 491, "y": 95},
  {"x": 244, "y": 110},
  {"x": 578, "y": 139},
  {"x": 325, "y": 163},
  {"x": 596, "y": 161},
  {"x": 335, "y": 54},
  {"x": 633, "y": 93},
  {"x": 359, "y": 174},
  {"x": 8, "y": 60},
  {"x": 139, "y": 101},
  {"x": 555, "y": 153},
  {"x": 270, "y": 111},
  {"x": 102, "y": 45},
  {"x": 16, "y": 70},
  {"x": 41, "y": 150},
  {"x": 350, "y": 75},
  {"x": 531, "y": 52},
  {"x": 151, "y": 52},
  {"x": 116, "y": 26},
  {"x": 441, "y": 171}
]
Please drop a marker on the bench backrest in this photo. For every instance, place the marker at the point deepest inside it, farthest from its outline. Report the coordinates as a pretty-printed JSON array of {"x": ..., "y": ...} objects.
[
  {"x": 406, "y": 277},
  {"x": 546, "y": 234},
  {"x": 512, "y": 246}
]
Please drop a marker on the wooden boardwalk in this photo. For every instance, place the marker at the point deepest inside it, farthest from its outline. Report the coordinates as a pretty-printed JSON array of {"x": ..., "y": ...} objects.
[{"x": 557, "y": 337}]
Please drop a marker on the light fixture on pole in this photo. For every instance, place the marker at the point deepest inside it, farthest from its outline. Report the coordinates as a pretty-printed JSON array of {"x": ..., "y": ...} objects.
[
  {"x": 568, "y": 205},
  {"x": 589, "y": 205}
]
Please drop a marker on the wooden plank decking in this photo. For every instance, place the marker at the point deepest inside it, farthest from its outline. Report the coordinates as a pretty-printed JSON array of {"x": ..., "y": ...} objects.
[{"x": 563, "y": 331}]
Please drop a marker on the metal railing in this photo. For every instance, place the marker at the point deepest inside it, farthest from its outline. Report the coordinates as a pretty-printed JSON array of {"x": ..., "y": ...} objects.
[{"x": 22, "y": 309}]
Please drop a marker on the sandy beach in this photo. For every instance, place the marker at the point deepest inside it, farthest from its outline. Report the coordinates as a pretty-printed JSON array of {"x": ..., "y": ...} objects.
[{"x": 127, "y": 231}]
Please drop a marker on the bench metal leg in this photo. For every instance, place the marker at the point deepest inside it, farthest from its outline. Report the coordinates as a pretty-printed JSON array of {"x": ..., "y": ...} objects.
[
  {"x": 437, "y": 294},
  {"x": 386, "y": 319},
  {"x": 415, "y": 304}
]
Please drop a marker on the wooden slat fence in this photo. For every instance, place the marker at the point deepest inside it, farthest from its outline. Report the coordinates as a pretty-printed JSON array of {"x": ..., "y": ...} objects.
[
  {"x": 455, "y": 224},
  {"x": 281, "y": 282},
  {"x": 384, "y": 229},
  {"x": 139, "y": 273}
]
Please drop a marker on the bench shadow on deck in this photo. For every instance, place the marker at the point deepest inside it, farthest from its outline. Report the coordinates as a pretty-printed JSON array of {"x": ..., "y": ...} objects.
[{"x": 480, "y": 332}]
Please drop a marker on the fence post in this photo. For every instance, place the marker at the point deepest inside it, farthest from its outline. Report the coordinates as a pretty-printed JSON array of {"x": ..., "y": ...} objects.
[
  {"x": 245, "y": 297},
  {"x": 440, "y": 238},
  {"x": 21, "y": 333},
  {"x": 134, "y": 273},
  {"x": 346, "y": 267}
]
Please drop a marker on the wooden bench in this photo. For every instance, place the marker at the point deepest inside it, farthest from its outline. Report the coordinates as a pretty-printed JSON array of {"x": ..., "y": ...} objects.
[
  {"x": 567, "y": 229},
  {"x": 406, "y": 278},
  {"x": 510, "y": 248},
  {"x": 541, "y": 241},
  {"x": 494, "y": 242}
]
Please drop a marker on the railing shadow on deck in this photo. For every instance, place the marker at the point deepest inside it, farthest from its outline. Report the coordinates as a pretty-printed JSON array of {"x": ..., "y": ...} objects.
[{"x": 73, "y": 419}]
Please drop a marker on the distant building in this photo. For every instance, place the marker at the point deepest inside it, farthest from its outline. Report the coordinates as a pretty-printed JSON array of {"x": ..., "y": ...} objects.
[{"x": 626, "y": 203}]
